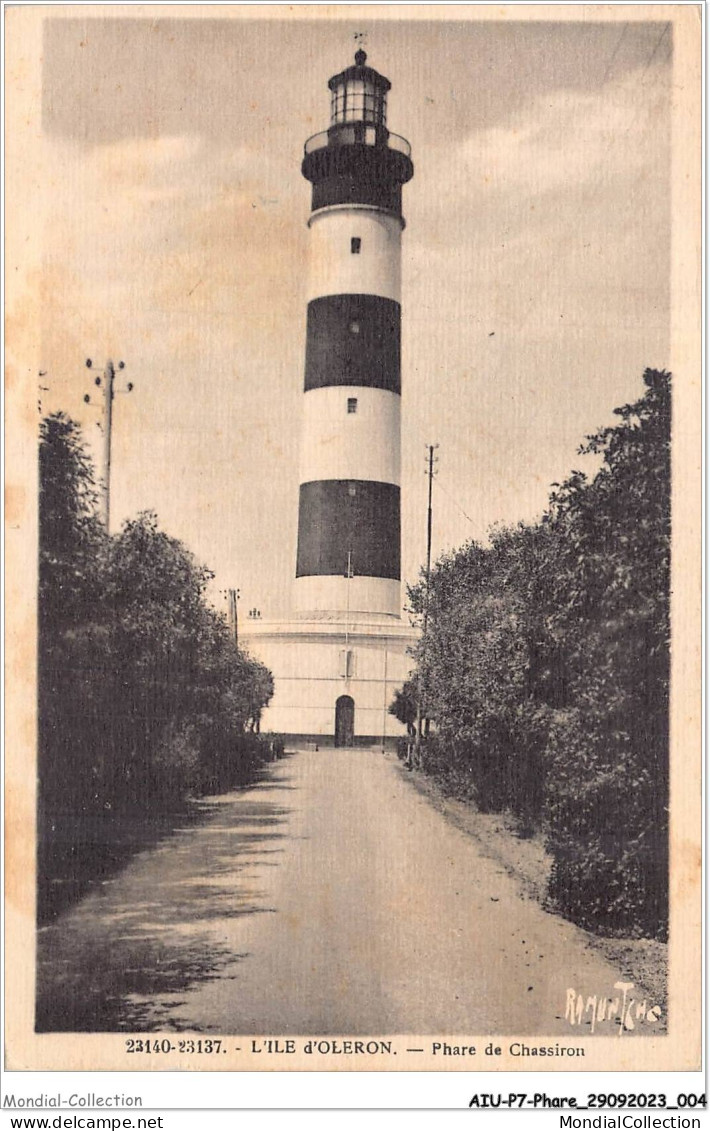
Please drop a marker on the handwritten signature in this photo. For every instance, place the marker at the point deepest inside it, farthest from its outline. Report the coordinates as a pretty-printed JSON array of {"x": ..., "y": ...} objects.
[{"x": 623, "y": 1011}]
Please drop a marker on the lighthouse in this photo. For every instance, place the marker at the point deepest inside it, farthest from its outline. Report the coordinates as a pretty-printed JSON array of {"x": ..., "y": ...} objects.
[
  {"x": 337, "y": 663},
  {"x": 349, "y": 500}
]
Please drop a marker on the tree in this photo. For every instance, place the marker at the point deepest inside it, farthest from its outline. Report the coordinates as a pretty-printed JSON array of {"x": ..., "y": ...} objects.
[
  {"x": 476, "y": 669},
  {"x": 71, "y": 537},
  {"x": 144, "y": 699},
  {"x": 609, "y": 615},
  {"x": 72, "y": 545},
  {"x": 547, "y": 672},
  {"x": 404, "y": 706}
]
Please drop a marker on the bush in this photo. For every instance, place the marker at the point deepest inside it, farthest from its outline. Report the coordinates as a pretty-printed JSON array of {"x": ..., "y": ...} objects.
[
  {"x": 276, "y": 746},
  {"x": 144, "y": 700},
  {"x": 546, "y": 672},
  {"x": 402, "y": 747},
  {"x": 610, "y": 868}
]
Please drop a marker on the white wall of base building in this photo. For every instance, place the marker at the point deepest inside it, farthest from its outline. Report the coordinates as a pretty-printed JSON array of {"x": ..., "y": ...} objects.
[{"x": 311, "y": 671}]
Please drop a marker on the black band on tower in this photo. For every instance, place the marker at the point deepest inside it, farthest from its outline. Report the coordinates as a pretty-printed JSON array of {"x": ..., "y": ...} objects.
[
  {"x": 357, "y": 174},
  {"x": 353, "y": 340},
  {"x": 341, "y": 516}
]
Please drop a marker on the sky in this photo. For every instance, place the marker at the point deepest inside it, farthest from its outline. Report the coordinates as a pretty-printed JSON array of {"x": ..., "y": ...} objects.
[{"x": 535, "y": 258}]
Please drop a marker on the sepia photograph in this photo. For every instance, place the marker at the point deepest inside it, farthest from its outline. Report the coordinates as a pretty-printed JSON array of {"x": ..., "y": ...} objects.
[{"x": 353, "y": 537}]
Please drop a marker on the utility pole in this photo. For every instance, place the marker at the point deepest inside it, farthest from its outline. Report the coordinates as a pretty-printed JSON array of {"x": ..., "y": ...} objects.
[
  {"x": 109, "y": 375},
  {"x": 41, "y": 389},
  {"x": 425, "y": 619},
  {"x": 232, "y": 596},
  {"x": 106, "y": 384},
  {"x": 234, "y": 615}
]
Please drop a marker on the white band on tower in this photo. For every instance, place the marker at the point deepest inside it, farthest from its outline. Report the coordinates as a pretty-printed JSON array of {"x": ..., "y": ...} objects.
[{"x": 369, "y": 266}]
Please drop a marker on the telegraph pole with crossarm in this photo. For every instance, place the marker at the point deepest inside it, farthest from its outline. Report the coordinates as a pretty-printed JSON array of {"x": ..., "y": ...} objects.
[
  {"x": 106, "y": 384},
  {"x": 425, "y": 619}
]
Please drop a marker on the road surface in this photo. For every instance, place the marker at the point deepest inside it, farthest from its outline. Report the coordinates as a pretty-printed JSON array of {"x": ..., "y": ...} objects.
[{"x": 330, "y": 898}]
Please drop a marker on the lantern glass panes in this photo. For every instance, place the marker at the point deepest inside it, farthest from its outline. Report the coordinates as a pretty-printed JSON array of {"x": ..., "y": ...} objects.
[
  {"x": 355, "y": 100},
  {"x": 337, "y": 105},
  {"x": 358, "y": 100}
]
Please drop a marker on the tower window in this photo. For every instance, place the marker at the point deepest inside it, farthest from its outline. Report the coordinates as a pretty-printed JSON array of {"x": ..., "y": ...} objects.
[
  {"x": 355, "y": 244},
  {"x": 354, "y": 327},
  {"x": 352, "y": 404}
]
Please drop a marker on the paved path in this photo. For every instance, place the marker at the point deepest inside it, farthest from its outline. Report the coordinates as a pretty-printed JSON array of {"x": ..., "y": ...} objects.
[{"x": 329, "y": 898}]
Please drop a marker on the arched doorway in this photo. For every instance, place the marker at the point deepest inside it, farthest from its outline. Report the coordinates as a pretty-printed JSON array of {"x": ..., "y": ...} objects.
[{"x": 344, "y": 721}]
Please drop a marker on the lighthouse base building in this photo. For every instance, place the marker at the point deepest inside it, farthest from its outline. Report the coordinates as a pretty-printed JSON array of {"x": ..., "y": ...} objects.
[
  {"x": 333, "y": 681},
  {"x": 337, "y": 664}
]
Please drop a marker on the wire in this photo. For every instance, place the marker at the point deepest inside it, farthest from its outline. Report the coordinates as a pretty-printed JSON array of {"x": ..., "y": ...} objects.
[
  {"x": 437, "y": 473},
  {"x": 454, "y": 500},
  {"x": 652, "y": 56},
  {"x": 614, "y": 53}
]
